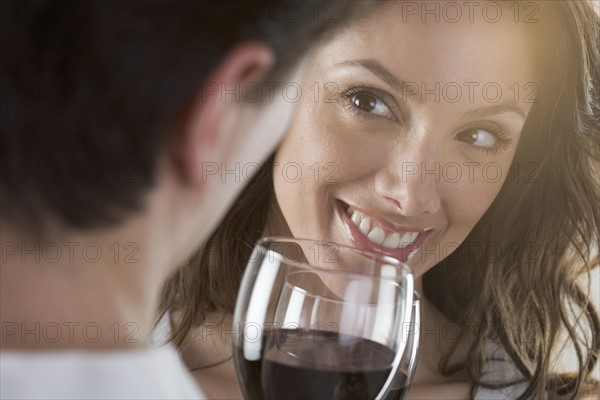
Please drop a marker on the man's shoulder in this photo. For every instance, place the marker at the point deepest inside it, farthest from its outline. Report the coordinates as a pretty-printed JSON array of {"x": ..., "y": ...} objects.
[{"x": 155, "y": 372}]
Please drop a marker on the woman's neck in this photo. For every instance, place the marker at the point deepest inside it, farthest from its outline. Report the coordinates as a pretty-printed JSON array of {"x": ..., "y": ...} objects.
[{"x": 438, "y": 335}]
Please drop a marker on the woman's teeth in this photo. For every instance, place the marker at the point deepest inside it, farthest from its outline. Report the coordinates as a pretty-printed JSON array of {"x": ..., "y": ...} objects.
[{"x": 377, "y": 235}]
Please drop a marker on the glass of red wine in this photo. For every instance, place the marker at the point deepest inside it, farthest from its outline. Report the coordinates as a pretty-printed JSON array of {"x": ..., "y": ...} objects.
[
  {"x": 319, "y": 320},
  {"x": 400, "y": 385}
]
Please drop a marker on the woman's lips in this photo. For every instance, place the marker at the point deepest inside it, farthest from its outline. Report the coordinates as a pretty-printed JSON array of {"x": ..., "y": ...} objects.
[{"x": 369, "y": 232}]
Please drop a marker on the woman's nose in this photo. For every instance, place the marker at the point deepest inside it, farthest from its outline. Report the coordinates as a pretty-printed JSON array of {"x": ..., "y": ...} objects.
[{"x": 411, "y": 187}]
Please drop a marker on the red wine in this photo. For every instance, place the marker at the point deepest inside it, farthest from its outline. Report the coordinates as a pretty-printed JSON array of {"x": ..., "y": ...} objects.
[{"x": 299, "y": 364}]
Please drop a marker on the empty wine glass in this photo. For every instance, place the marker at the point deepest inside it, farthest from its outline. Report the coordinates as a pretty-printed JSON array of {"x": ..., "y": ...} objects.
[{"x": 318, "y": 320}]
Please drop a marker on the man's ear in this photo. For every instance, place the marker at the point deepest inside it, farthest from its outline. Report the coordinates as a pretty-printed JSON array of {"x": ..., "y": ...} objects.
[{"x": 202, "y": 138}]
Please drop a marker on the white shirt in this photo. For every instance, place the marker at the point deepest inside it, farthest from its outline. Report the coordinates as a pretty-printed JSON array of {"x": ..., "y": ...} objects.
[
  {"x": 498, "y": 368},
  {"x": 150, "y": 373}
]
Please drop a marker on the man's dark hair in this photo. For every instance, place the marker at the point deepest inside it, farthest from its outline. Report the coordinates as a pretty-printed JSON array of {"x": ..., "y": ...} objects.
[{"x": 92, "y": 90}]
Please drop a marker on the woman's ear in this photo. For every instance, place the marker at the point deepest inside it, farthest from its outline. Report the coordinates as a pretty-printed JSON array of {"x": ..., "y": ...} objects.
[{"x": 203, "y": 137}]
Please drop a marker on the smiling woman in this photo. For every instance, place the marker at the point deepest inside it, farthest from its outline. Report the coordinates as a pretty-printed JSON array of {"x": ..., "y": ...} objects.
[
  {"x": 467, "y": 149},
  {"x": 392, "y": 135}
]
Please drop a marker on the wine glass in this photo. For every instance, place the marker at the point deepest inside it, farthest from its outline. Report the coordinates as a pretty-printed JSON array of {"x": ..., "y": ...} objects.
[
  {"x": 400, "y": 385},
  {"x": 319, "y": 320}
]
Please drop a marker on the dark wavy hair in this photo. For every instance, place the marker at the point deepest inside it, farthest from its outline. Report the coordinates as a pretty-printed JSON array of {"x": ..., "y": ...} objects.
[
  {"x": 92, "y": 91},
  {"x": 544, "y": 226}
]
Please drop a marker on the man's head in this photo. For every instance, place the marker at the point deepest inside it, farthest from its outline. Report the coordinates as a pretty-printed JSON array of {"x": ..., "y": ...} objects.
[{"x": 110, "y": 108}]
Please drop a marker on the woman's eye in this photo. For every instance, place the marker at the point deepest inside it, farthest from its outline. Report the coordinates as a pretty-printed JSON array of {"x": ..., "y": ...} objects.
[
  {"x": 368, "y": 104},
  {"x": 371, "y": 104},
  {"x": 490, "y": 140},
  {"x": 365, "y": 102},
  {"x": 478, "y": 137}
]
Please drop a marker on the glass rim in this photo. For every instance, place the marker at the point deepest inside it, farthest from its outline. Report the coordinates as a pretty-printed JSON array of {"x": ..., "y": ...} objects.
[{"x": 382, "y": 258}]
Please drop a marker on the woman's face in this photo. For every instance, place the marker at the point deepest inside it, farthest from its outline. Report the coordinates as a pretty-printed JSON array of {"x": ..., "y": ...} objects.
[{"x": 405, "y": 133}]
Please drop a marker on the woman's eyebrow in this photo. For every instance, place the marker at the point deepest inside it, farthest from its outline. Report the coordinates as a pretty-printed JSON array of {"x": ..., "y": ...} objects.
[
  {"x": 402, "y": 86},
  {"x": 377, "y": 69},
  {"x": 501, "y": 108}
]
